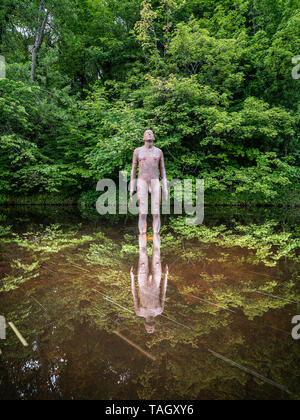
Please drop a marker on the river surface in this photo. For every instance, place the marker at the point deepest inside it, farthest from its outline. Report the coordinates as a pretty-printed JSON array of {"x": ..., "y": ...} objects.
[{"x": 198, "y": 313}]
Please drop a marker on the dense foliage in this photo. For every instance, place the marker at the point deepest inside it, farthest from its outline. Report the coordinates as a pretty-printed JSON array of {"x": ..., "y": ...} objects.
[{"x": 213, "y": 79}]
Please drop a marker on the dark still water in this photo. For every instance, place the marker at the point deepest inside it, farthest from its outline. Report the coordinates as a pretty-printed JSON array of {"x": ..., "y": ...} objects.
[{"x": 198, "y": 313}]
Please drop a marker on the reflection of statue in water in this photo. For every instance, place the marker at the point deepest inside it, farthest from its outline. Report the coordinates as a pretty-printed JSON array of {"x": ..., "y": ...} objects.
[
  {"x": 151, "y": 302},
  {"x": 149, "y": 159}
]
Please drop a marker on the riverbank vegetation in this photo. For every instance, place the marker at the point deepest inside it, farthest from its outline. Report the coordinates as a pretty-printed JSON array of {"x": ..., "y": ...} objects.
[{"x": 213, "y": 79}]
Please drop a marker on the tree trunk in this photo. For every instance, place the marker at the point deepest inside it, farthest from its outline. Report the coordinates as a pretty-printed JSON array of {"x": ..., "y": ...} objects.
[{"x": 38, "y": 41}]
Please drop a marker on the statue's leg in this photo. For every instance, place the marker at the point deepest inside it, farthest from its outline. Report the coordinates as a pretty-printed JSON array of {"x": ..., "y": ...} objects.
[
  {"x": 156, "y": 262},
  {"x": 143, "y": 224},
  {"x": 155, "y": 205},
  {"x": 143, "y": 267},
  {"x": 142, "y": 192}
]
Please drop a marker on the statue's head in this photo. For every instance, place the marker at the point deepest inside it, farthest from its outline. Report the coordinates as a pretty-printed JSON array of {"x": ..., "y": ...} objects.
[
  {"x": 149, "y": 136},
  {"x": 150, "y": 324}
]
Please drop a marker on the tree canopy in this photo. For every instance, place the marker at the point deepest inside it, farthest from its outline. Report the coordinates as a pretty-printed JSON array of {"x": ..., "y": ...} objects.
[{"x": 213, "y": 79}]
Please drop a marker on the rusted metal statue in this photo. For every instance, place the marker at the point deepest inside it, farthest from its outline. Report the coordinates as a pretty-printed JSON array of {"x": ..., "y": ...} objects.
[
  {"x": 150, "y": 160},
  {"x": 152, "y": 288}
]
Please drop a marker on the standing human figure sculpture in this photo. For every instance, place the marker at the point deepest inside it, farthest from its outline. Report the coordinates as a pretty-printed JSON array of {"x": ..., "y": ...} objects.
[{"x": 150, "y": 160}]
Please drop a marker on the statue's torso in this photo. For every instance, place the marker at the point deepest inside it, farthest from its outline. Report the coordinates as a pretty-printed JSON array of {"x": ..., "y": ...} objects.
[{"x": 149, "y": 160}]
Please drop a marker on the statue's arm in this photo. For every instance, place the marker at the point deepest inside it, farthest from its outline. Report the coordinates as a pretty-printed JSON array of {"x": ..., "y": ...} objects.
[
  {"x": 164, "y": 176},
  {"x": 133, "y": 173}
]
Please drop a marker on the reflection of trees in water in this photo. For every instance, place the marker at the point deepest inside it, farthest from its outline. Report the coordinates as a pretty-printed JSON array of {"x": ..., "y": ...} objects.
[
  {"x": 265, "y": 243},
  {"x": 70, "y": 310}
]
